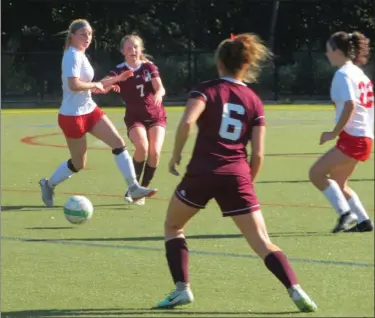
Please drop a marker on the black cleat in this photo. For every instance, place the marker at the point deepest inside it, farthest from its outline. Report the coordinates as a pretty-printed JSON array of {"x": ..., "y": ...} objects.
[
  {"x": 344, "y": 222},
  {"x": 364, "y": 226}
]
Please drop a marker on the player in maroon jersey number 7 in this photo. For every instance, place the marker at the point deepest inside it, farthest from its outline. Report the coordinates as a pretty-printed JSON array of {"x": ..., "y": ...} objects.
[
  {"x": 145, "y": 116},
  {"x": 229, "y": 115},
  {"x": 353, "y": 96}
]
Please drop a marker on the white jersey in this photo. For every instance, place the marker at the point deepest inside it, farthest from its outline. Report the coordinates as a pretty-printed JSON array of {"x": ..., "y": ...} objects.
[
  {"x": 351, "y": 83},
  {"x": 76, "y": 64}
]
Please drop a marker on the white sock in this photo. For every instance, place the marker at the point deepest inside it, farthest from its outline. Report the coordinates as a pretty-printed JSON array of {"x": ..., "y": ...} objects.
[
  {"x": 125, "y": 164},
  {"x": 357, "y": 207},
  {"x": 61, "y": 174},
  {"x": 336, "y": 197}
]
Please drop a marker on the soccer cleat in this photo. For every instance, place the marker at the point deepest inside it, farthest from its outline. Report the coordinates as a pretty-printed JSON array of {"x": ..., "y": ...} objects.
[
  {"x": 140, "y": 202},
  {"x": 47, "y": 192},
  {"x": 301, "y": 299},
  {"x": 141, "y": 192},
  {"x": 344, "y": 222},
  {"x": 364, "y": 226},
  {"x": 177, "y": 298},
  {"x": 127, "y": 197}
]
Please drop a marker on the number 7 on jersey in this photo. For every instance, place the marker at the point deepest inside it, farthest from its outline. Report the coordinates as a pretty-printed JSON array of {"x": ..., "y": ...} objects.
[{"x": 141, "y": 87}]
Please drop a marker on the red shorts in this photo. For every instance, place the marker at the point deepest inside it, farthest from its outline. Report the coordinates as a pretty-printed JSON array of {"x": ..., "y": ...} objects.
[
  {"x": 235, "y": 195},
  {"x": 147, "y": 124},
  {"x": 358, "y": 148},
  {"x": 77, "y": 126}
]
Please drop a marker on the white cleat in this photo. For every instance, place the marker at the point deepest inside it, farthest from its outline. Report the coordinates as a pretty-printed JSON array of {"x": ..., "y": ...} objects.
[
  {"x": 141, "y": 192},
  {"x": 47, "y": 192},
  {"x": 127, "y": 197},
  {"x": 177, "y": 298},
  {"x": 301, "y": 299},
  {"x": 140, "y": 202}
]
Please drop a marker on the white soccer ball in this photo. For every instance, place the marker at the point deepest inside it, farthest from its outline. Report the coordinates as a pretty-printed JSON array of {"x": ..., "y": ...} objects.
[{"x": 78, "y": 209}]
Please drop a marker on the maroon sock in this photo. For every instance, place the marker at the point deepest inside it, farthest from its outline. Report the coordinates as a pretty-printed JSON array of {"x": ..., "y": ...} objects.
[
  {"x": 279, "y": 265},
  {"x": 148, "y": 175},
  {"x": 138, "y": 167},
  {"x": 178, "y": 259}
]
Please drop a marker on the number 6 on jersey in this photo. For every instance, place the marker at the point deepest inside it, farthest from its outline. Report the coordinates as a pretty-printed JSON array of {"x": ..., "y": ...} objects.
[{"x": 228, "y": 122}]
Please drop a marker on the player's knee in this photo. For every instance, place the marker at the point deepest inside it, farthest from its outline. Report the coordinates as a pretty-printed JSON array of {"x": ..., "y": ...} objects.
[
  {"x": 154, "y": 154},
  {"x": 141, "y": 148},
  {"x": 119, "y": 150},
  {"x": 76, "y": 164},
  {"x": 171, "y": 230},
  {"x": 168, "y": 224},
  {"x": 313, "y": 174},
  {"x": 265, "y": 247},
  {"x": 118, "y": 143}
]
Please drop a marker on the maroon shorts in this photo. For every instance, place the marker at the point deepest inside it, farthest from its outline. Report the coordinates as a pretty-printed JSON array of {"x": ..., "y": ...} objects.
[
  {"x": 147, "y": 124},
  {"x": 77, "y": 126},
  {"x": 235, "y": 195},
  {"x": 358, "y": 148}
]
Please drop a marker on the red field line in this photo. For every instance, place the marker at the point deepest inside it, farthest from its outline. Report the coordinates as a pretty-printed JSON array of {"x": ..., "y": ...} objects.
[{"x": 33, "y": 141}]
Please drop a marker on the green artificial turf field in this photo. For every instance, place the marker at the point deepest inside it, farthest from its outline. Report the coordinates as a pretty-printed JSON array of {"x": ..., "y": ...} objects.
[{"x": 114, "y": 265}]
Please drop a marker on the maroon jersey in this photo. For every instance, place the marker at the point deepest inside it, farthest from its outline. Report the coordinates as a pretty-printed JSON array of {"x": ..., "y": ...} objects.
[
  {"x": 224, "y": 127},
  {"x": 138, "y": 92}
]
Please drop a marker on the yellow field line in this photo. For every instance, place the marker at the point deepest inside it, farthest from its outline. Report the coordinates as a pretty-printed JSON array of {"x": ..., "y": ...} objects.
[{"x": 174, "y": 108}]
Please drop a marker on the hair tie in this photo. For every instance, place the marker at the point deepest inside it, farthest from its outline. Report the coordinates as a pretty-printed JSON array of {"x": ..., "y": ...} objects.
[{"x": 232, "y": 36}]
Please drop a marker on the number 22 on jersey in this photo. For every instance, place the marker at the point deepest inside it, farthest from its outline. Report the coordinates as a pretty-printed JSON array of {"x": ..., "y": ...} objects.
[
  {"x": 228, "y": 122},
  {"x": 367, "y": 94}
]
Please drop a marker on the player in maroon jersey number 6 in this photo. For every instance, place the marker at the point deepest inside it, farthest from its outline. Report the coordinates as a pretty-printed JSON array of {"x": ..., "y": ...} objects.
[
  {"x": 353, "y": 95},
  {"x": 145, "y": 117},
  {"x": 228, "y": 115}
]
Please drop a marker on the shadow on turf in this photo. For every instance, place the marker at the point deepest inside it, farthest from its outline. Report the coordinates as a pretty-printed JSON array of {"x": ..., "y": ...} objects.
[
  {"x": 308, "y": 181},
  {"x": 193, "y": 237},
  {"x": 118, "y": 312},
  {"x": 50, "y": 228},
  {"x": 39, "y": 208},
  {"x": 12, "y": 208}
]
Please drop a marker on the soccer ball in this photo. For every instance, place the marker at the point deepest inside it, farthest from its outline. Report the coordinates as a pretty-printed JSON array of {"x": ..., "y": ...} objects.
[{"x": 78, "y": 209}]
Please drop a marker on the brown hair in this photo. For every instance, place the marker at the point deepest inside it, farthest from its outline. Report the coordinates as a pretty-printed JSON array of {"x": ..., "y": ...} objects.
[
  {"x": 73, "y": 28},
  {"x": 138, "y": 38},
  {"x": 243, "y": 53},
  {"x": 355, "y": 46}
]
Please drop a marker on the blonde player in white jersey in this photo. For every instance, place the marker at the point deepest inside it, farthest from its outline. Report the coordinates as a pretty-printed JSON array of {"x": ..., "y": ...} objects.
[
  {"x": 79, "y": 115},
  {"x": 353, "y": 96}
]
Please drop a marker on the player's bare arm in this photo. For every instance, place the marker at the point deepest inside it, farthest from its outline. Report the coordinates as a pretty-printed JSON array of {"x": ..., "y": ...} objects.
[
  {"x": 108, "y": 81},
  {"x": 194, "y": 108},
  {"x": 159, "y": 90},
  {"x": 344, "y": 119},
  {"x": 345, "y": 116},
  {"x": 75, "y": 84},
  {"x": 257, "y": 150}
]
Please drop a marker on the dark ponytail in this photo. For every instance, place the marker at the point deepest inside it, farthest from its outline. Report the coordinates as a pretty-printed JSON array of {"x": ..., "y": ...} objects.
[{"x": 355, "y": 46}]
